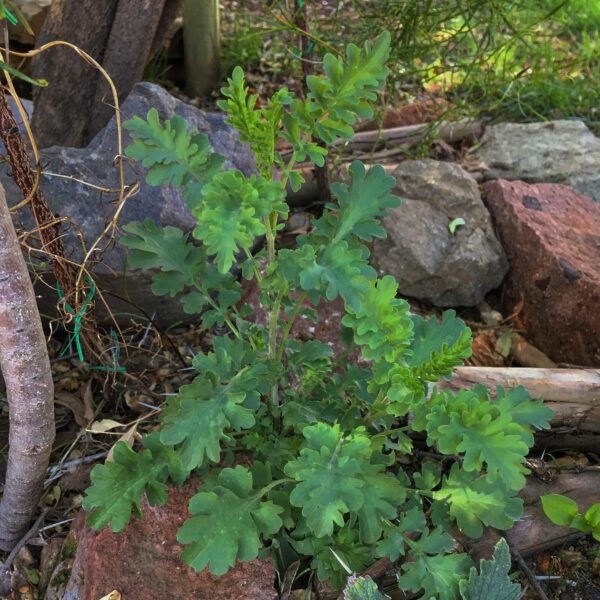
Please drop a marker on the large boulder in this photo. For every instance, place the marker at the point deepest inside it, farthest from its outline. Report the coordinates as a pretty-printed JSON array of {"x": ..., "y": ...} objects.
[
  {"x": 551, "y": 235},
  {"x": 551, "y": 152},
  {"x": 89, "y": 209},
  {"x": 142, "y": 562},
  {"x": 429, "y": 261}
]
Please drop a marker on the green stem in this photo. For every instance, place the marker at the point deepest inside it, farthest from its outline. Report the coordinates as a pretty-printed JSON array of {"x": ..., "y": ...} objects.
[
  {"x": 274, "y": 484},
  {"x": 273, "y": 322},
  {"x": 289, "y": 324},
  {"x": 270, "y": 234},
  {"x": 274, "y": 313},
  {"x": 254, "y": 267},
  {"x": 214, "y": 305}
]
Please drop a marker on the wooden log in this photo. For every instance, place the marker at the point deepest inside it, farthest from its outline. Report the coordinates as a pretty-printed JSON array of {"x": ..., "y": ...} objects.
[
  {"x": 573, "y": 394},
  {"x": 534, "y": 532}
]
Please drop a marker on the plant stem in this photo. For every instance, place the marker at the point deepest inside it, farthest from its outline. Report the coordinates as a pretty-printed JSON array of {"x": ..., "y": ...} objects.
[
  {"x": 255, "y": 269},
  {"x": 270, "y": 234},
  {"x": 214, "y": 305},
  {"x": 289, "y": 324},
  {"x": 273, "y": 322},
  {"x": 274, "y": 313}
]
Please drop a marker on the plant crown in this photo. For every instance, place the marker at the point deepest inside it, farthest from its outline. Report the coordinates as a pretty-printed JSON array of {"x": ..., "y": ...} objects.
[{"x": 328, "y": 435}]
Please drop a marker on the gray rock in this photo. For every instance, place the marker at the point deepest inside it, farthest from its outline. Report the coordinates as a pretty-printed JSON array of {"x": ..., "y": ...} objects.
[
  {"x": 90, "y": 210},
  {"x": 428, "y": 261},
  {"x": 551, "y": 152}
]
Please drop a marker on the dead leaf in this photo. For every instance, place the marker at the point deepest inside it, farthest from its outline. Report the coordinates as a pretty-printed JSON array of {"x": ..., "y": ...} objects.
[
  {"x": 128, "y": 437},
  {"x": 75, "y": 405},
  {"x": 504, "y": 343},
  {"x": 87, "y": 396},
  {"x": 80, "y": 404},
  {"x": 528, "y": 355},
  {"x": 485, "y": 353},
  {"x": 104, "y": 425},
  {"x": 114, "y": 595}
]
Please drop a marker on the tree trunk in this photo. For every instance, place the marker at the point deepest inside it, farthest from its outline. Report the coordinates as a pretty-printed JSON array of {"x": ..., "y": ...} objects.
[
  {"x": 29, "y": 388},
  {"x": 121, "y": 35},
  {"x": 135, "y": 22},
  {"x": 62, "y": 109},
  {"x": 201, "y": 39}
]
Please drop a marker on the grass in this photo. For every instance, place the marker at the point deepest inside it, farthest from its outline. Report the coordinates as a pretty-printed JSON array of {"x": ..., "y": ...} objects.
[{"x": 523, "y": 60}]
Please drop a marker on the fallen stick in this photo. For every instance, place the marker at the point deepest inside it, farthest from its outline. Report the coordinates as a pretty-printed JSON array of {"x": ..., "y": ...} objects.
[
  {"x": 573, "y": 394},
  {"x": 534, "y": 532},
  {"x": 395, "y": 137},
  {"x": 410, "y": 135}
]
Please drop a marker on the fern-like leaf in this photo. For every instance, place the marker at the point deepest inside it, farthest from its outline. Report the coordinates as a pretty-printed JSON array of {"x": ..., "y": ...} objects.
[
  {"x": 437, "y": 576},
  {"x": 487, "y": 434},
  {"x": 171, "y": 154},
  {"x": 348, "y": 88},
  {"x": 382, "y": 324},
  {"x": 364, "y": 203},
  {"x": 474, "y": 502},
  {"x": 362, "y": 588},
  {"x": 257, "y": 126},
  {"x": 336, "y": 477},
  {"x": 119, "y": 484},
  {"x": 166, "y": 249},
  {"x": 201, "y": 415},
  {"x": 233, "y": 211}
]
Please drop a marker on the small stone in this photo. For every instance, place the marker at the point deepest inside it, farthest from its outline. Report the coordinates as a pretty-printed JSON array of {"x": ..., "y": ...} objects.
[
  {"x": 429, "y": 262},
  {"x": 571, "y": 558}
]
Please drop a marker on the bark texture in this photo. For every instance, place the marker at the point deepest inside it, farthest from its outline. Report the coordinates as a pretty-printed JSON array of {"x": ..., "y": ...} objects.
[
  {"x": 128, "y": 47},
  {"x": 29, "y": 387},
  {"x": 62, "y": 109},
  {"x": 121, "y": 35}
]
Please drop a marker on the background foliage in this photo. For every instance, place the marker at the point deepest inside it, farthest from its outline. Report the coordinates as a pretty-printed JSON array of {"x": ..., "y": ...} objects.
[{"x": 509, "y": 59}]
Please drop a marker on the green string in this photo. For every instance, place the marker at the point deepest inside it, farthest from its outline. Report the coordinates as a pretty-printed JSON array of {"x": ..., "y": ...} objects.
[
  {"x": 309, "y": 48},
  {"x": 9, "y": 16},
  {"x": 78, "y": 316},
  {"x": 76, "y": 335},
  {"x": 116, "y": 356}
]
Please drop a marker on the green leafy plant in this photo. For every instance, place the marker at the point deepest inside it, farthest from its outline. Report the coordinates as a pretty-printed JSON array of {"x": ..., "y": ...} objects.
[
  {"x": 492, "y": 577},
  {"x": 325, "y": 434},
  {"x": 561, "y": 510}
]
